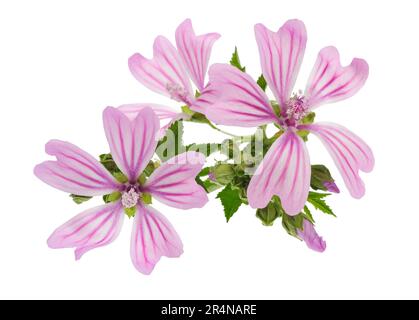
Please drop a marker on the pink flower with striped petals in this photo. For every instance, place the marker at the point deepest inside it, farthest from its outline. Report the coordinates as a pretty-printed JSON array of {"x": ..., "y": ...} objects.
[
  {"x": 170, "y": 70},
  {"x": 285, "y": 170},
  {"x": 132, "y": 143}
]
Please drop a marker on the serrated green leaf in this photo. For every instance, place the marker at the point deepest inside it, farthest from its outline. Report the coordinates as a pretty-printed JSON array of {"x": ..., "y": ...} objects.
[
  {"x": 308, "y": 215},
  {"x": 79, "y": 199},
  {"x": 231, "y": 201},
  {"x": 262, "y": 82},
  {"x": 235, "y": 61},
  {"x": 318, "y": 202}
]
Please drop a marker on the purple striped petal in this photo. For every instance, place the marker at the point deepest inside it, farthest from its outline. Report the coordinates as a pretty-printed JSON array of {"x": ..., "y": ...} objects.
[
  {"x": 195, "y": 51},
  {"x": 311, "y": 238},
  {"x": 165, "y": 73},
  {"x": 75, "y": 171},
  {"x": 132, "y": 143},
  {"x": 285, "y": 172},
  {"x": 330, "y": 82},
  {"x": 240, "y": 101},
  {"x": 207, "y": 99},
  {"x": 90, "y": 229},
  {"x": 152, "y": 237},
  {"x": 349, "y": 152},
  {"x": 174, "y": 183},
  {"x": 165, "y": 114},
  {"x": 281, "y": 54}
]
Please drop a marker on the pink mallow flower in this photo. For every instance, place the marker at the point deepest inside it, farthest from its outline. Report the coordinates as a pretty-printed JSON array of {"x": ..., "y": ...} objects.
[
  {"x": 285, "y": 170},
  {"x": 170, "y": 70},
  {"x": 132, "y": 144},
  {"x": 309, "y": 235}
]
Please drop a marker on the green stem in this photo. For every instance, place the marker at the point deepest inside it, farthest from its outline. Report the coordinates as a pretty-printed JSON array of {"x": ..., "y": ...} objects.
[{"x": 222, "y": 131}]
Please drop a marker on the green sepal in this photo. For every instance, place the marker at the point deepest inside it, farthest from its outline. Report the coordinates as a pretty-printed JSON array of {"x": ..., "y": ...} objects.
[
  {"x": 262, "y": 82},
  {"x": 224, "y": 173},
  {"x": 120, "y": 177},
  {"x": 235, "y": 61},
  {"x": 130, "y": 212},
  {"x": 268, "y": 214},
  {"x": 308, "y": 119},
  {"x": 146, "y": 198},
  {"x": 187, "y": 110},
  {"x": 112, "y": 197},
  {"x": 79, "y": 199}
]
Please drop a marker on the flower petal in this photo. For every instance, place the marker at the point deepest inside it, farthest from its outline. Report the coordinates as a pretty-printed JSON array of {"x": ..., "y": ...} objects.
[
  {"x": 174, "y": 183},
  {"x": 281, "y": 54},
  {"x": 165, "y": 73},
  {"x": 90, "y": 229},
  {"x": 165, "y": 114},
  {"x": 349, "y": 152},
  {"x": 152, "y": 237},
  {"x": 330, "y": 82},
  {"x": 311, "y": 238},
  {"x": 132, "y": 143},
  {"x": 195, "y": 51},
  {"x": 240, "y": 101},
  {"x": 285, "y": 171},
  {"x": 75, "y": 171}
]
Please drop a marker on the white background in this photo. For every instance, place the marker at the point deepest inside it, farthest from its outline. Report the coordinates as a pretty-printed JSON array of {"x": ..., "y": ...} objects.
[{"x": 62, "y": 62}]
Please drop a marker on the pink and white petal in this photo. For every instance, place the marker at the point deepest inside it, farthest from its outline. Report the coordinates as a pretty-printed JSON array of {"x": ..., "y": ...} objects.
[
  {"x": 207, "y": 98},
  {"x": 330, "y": 82},
  {"x": 152, "y": 237},
  {"x": 75, "y": 171},
  {"x": 164, "y": 72},
  {"x": 349, "y": 152},
  {"x": 285, "y": 172},
  {"x": 240, "y": 101},
  {"x": 90, "y": 229},
  {"x": 195, "y": 51},
  {"x": 174, "y": 183},
  {"x": 281, "y": 54},
  {"x": 132, "y": 143},
  {"x": 166, "y": 115}
]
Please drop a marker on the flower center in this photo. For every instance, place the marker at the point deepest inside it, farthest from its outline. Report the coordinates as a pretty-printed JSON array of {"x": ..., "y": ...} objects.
[
  {"x": 130, "y": 197},
  {"x": 178, "y": 93},
  {"x": 296, "y": 109}
]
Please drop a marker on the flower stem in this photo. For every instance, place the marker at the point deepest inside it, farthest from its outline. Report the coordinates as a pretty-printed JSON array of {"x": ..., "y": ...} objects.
[{"x": 222, "y": 131}]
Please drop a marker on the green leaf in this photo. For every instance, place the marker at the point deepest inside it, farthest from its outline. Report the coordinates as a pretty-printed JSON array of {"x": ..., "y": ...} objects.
[
  {"x": 317, "y": 201},
  {"x": 112, "y": 197},
  {"x": 235, "y": 61},
  {"x": 231, "y": 201},
  {"x": 308, "y": 215},
  {"x": 79, "y": 199},
  {"x": 172, "y": 143},
  {"x": 262, "y": 82},
  {"x": 130, "y": 212}
]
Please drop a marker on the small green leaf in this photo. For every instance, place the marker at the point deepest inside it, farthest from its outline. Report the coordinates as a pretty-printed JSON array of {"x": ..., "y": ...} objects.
[
  {"x": 317, "y": 201},
  {"x": 262, "y": 82},
  {"x": 79, "y": 199},
  {"x": 130, "y": 212},
  {"x": 112, "y": 197},
  {"x": 308, "y": 215},
  {"x": 231, "y": 201},
  {"x": 235, "y": 61}
]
